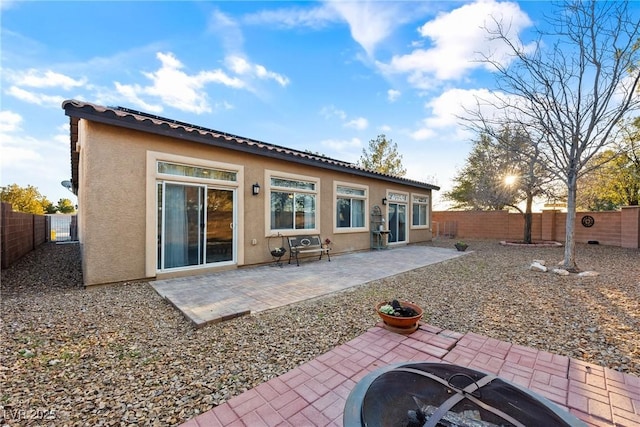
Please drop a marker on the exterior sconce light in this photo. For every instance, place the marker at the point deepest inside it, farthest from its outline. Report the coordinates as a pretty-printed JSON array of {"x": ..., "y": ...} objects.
[
  {"x": 384, "y": 200},
  {"x": 255, "y": 188}
]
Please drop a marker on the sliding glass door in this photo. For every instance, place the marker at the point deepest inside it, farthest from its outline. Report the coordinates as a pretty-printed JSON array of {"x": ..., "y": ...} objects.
[
  {"x": 195, "y": 225},
  {"x": 219, "y": 225},
  {"x": 397, "y": 222}
]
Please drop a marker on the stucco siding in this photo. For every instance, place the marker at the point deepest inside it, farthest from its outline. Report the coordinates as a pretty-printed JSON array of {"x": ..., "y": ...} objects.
[
  {"x": 113, "y": 204},
  {"x": 117, "y": 210}
]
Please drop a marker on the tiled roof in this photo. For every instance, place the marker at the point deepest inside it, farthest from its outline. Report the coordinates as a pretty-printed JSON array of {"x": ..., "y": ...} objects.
[{"x": 124, "y": 117}]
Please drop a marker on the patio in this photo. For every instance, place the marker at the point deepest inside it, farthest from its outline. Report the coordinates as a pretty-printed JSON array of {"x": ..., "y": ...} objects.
[
  {"x": 314, "y": 394},
  {"x": 221, "y": 296}
]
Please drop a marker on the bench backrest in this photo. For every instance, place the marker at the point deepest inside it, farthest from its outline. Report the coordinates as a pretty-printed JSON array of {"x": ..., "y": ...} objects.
[{"x": 304, "y": 241}]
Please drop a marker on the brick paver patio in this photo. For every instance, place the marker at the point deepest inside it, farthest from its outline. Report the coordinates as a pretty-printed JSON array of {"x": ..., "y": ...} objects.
[{"x": 314, "y": 394}]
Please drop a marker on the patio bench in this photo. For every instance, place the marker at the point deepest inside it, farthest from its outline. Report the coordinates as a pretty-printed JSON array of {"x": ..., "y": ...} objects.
[{"x": 306, "y": 244}]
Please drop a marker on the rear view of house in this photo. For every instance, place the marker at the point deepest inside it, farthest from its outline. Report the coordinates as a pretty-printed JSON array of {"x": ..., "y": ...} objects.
[{"x": 161, "y": 198}]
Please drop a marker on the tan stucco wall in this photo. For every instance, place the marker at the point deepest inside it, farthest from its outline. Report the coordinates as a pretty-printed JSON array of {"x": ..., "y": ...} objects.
[{"x": 113, "y": 201}]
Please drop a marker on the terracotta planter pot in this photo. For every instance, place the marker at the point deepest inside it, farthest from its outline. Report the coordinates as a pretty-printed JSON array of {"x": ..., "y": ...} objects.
[{"x": 405, "y": 325}]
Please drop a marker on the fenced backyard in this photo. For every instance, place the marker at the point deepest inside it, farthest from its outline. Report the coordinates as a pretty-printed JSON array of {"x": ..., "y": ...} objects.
[
  {"x": 614, "y": 228},
  {"x": 154, "y": 368},
  {"x": 21, "y": 233}
]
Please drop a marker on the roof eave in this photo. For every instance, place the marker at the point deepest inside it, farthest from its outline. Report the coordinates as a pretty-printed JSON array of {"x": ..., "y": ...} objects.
[{"x": 164, "y": 129}]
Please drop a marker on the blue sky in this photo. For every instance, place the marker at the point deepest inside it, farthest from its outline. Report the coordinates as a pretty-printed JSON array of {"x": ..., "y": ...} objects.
[{"x": 320, "y": 76}]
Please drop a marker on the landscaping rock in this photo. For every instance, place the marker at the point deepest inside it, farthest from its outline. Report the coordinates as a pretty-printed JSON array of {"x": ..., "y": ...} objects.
[
  {"x": 588, "y": 274},
  {"x": 536, "y": 266},
  {"x": 128, "y": 357},
  {"x": 560, "y": 272}
]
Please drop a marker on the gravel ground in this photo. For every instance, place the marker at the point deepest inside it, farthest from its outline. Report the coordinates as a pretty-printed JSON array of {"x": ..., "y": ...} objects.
[{"x": 121, "y": 355}]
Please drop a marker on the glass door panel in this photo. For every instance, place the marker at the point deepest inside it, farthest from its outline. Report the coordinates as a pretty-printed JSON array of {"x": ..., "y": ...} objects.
[
  {"x": 183, "y": 219},
  {"x": 191, "y": 233},
  {"x": 220, "y": 231},
  {"x": 397, "y": 222}
]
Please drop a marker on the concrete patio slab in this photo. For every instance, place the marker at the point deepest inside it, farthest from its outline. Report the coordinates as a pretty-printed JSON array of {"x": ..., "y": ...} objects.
[
  {"x": 314, "y": 393},
  {"x": 220, "y": 296}
]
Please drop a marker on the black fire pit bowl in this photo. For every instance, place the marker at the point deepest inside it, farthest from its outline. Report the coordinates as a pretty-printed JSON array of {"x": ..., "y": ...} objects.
[{"x": 441, "y": 394}]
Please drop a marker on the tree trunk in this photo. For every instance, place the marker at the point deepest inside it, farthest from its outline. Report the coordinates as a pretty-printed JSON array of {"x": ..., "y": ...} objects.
[
  {"x": 569, "y": 244},
  {"x": 528, "y": 219}
]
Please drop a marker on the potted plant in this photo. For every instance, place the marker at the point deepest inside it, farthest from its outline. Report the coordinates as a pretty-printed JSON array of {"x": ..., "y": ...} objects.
[
  {"x": 400, "y": 316},
  {"x": 326, "y": 243},
  {"x": 278, "y": 252},
  {"x": 461, "y": 246}
]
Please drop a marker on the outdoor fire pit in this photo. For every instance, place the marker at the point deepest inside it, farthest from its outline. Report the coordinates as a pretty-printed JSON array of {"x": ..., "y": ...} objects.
[{"x": 440, "y": 394}]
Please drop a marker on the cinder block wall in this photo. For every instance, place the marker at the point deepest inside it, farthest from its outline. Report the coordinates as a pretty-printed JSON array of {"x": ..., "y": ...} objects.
[
  {"x": 606, "y": 228},
  {"x": 20, "y": 233},
  {"x": 630, "y": 225},
  {"x": 488, "y": 224},
  {"x": 614, "y": 228}
]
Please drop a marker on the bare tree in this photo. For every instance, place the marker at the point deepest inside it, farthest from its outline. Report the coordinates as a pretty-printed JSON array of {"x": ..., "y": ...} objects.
[
  {"x": 503, "y": 169},
  {"x": 570, "y": 89}
]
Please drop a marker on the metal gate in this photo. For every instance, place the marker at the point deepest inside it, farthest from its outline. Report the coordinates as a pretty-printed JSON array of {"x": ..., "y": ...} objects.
[{"x": 62, "y": 228}]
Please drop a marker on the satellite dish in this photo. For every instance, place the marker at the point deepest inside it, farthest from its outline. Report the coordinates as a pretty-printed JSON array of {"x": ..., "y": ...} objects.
[{"x": 66, "y": 184}]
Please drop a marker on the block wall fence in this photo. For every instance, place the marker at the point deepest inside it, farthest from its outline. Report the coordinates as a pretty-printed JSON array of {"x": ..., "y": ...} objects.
[
  {"x": 613, "y": 228},
  {"x": 20, "y": 233}
]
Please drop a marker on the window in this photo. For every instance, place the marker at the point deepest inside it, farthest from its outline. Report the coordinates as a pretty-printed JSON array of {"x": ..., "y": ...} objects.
[
  {"x": 420, "y": 211},
  {"x": 195, "y": 171},
  {"x": 293, "y": 204},
  {"x": 350, "y": 207}
]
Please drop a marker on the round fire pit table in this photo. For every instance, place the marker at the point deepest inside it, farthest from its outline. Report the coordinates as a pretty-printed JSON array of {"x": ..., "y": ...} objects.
[{"x": 441, "y": 394}]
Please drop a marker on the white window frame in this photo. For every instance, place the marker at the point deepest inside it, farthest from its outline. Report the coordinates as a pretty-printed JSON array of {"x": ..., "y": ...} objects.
[
  {"x": 427, "y": 203},
  {"x": 336, "y": 195},
  {"x": 152, "y": 177},
  {"x": 399, "y": 198},
  {"x": 268, "y": 175}
]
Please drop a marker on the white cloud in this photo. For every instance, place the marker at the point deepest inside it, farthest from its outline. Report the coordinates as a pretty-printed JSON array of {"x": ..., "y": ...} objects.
[
  {"x": 242, "y": 66},
  {"x": 7, "y": 4},
  {"x": 359, "y": 123},
  {"x": 331, "y": 111},
  {"x": 18, "y": 151},
  {"x": 130, "y": 93},
  {"x": 347, "y": 150},
  {"x": 316, "y": 17},
  {"x": 228, "y": 30},
  {"x": 393, "y": 95},
  {"x": 24, "y": 82},
  {"x": 445, "y": 111},
  {"x": 370, "y": 22},
  {"x": 13, "y": 155},
  {"x": 448, "y": 110},
  {"x": 452, "y": 54},
  {"x": 423, "y": 134},
  {"x": 35, "y": 98},
  {"x": 171, "y": 85},
  {"x": 175, "y": 87},
  {"x": 45, "y": 158},
  {"x": 44, "y": 79},
  {"x": 9, "y": 121}
]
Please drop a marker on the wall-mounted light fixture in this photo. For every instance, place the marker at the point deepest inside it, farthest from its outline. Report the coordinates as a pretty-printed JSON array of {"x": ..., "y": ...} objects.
[
  {"x": 384, "y": 200},
  {"x": 255, "y": 188}
]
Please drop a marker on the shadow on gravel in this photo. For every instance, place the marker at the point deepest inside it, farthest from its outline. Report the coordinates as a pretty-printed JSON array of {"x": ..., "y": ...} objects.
[{"x": 49, "y": 268}]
